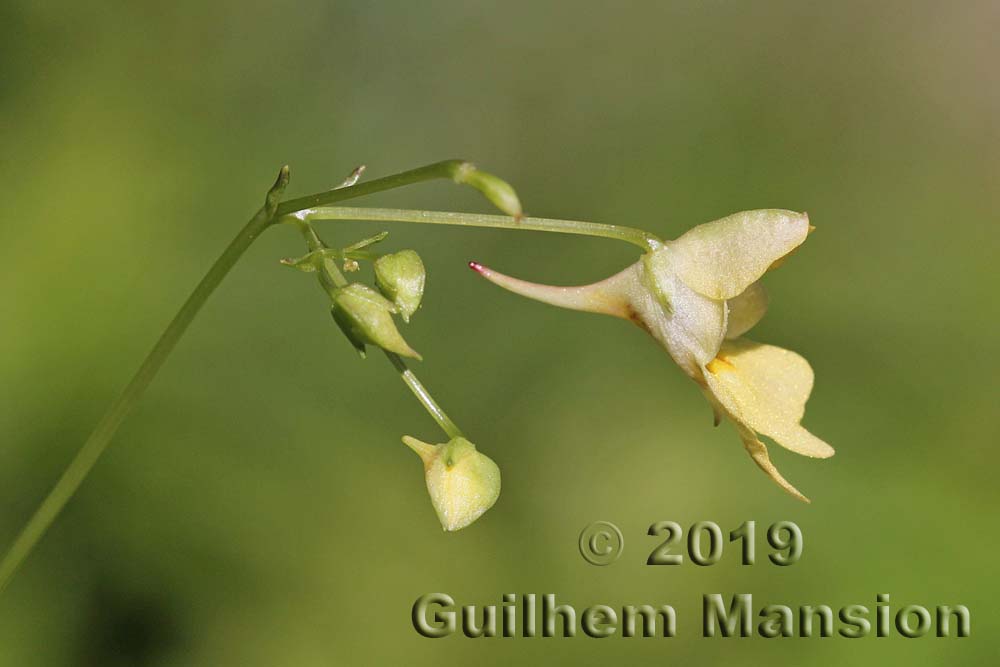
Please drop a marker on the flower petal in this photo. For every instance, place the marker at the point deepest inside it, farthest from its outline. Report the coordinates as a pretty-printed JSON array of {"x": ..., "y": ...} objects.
[
  {"x": 721, "y": 259},
  {"x": 765, "y": 388},
  {"x": 689, "y": 325},
  {"x": 745, "y": 310},
  {"x": 758, "y": 452}
]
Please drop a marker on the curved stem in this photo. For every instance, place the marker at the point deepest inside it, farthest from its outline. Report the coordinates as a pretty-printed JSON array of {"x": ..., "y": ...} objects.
[
  {"x": 445, "y": 169},
  {"x": 98, "y": 441},
  {"x": 102, "y": 434},
  {"x": 424, "y": 396},
  {"x": 303, "y": 209},
  {"x": 636, "y": 237}
]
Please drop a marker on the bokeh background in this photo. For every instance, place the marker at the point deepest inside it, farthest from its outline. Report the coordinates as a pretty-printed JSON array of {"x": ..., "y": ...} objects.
[{"x": 258, "y": 508}]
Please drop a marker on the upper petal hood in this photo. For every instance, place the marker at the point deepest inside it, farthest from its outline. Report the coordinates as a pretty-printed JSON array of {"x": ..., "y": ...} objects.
[{"x": 721, "y": 259}]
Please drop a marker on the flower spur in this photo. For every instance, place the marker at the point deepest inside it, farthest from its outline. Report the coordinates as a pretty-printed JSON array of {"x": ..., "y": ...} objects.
[{"x": 697, "y": 296}]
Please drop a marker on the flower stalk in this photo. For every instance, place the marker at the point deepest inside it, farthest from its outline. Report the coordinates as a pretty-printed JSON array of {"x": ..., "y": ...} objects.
[
  {"x": 332, "y": 281},
  {"x": 268, "y": 215},
  {"x": 637, "y": 237},
  {"x": 695, "y": 295},
  {"x": 98, "y": 441},
  {"x": 430, "y": 405}
]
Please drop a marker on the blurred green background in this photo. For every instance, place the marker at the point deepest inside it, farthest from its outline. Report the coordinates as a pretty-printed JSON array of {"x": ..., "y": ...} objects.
[{"x": 258, "y": 508}]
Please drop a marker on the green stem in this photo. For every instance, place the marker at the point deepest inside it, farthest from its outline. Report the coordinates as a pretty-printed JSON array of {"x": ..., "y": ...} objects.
[
  {"x": 637, "y": 237},
  {"x": 102, "y": 434},
  {"x": 331, "y": 278},
  {"x": 446, "y": 169},
  {"x": 303, "y": 209},
  {"x": 98, "y": 441},
  {"x": 424, "y": 396}
]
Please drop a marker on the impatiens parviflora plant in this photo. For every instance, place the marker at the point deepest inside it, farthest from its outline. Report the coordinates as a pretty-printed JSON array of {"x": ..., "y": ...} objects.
[{"x": 696, "y": 296}]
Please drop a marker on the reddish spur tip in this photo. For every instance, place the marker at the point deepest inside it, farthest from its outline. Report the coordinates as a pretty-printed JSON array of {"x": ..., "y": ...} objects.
[{"x": 476, "y": 266}]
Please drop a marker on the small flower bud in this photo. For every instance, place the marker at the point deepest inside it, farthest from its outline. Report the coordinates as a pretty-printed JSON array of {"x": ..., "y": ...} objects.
[
  {"x": 462, "y": 482},
  {"x": 400, "y": 277},
  {"x": 495, "y": 189},
  {"x": 365, "y": 316}
]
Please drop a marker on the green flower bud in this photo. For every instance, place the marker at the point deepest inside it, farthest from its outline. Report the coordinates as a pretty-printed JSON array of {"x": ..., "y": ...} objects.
[
  {"x": 400, "y": 277},
  {"x": 462, "y": 482},
  {"x": 365, "y": 317},
  {"x": 495, "y": 189}
]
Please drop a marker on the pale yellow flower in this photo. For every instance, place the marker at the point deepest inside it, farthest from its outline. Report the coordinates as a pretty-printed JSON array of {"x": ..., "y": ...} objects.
[
  {"x": 463, "y": 483},
  {"x": 697, "y": 296}
]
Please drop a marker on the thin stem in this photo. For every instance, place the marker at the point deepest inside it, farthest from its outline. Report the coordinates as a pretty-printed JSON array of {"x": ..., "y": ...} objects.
[
  {"x": 98, "y": 441},
  {"x": 331, "y": 278},
  {"x": 637, "y": 237},
  {"x": 445, "y": 169},
  {"x": 424, "y": 396},
  {"x": 303, "y": 209},
  {"x": 102, "y": 434}
]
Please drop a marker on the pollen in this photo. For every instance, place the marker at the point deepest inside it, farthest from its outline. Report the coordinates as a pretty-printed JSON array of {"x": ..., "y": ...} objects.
[{"x": 719, "y": 365}]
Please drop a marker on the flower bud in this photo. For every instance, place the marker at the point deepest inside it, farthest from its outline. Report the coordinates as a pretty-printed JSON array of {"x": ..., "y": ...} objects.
[
  {"x": 400, "y": 277},
  {"x": 495, "y": 189},
  {"x": 365, "y": 317},
  {"x": 462, "y": 482}
]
